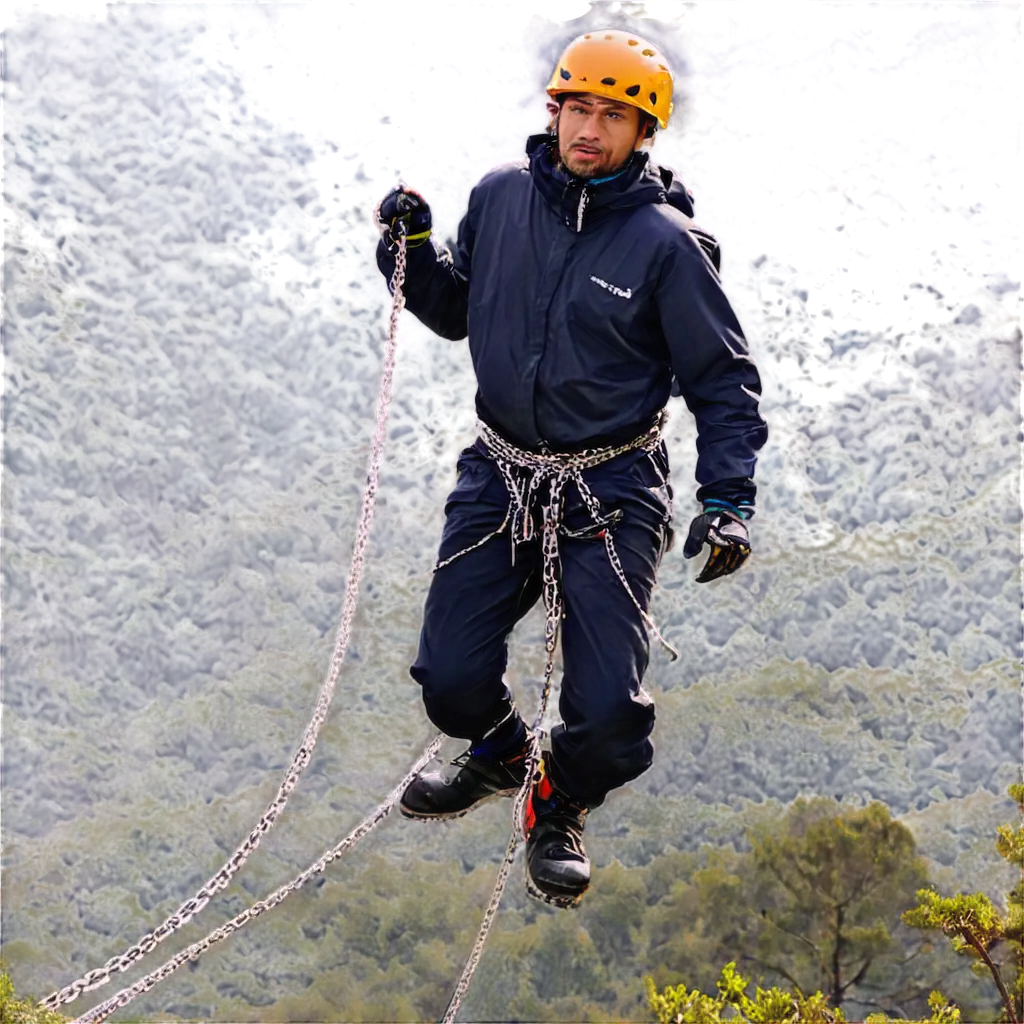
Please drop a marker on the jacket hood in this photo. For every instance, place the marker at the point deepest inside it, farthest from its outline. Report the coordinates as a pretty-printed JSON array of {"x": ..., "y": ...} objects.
[
  {"x": 676, "y": 193},
  {"x": 576, "y": 200}
]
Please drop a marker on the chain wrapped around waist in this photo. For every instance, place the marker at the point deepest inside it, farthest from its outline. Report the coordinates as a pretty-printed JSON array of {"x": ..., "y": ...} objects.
[{"x": 536, "y": 483}]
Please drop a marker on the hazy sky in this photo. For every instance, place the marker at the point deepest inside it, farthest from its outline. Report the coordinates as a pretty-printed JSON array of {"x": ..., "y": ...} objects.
[{"x": 865, "y": 136}]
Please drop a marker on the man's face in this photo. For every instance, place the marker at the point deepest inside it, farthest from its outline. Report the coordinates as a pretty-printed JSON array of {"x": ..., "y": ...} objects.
[{"x": 597, "y": 135}]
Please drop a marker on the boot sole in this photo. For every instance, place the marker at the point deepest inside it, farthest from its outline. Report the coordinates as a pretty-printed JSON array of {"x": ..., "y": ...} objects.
[
  {"x": 453, "y": 815},
  {"x": 564, "y": 901}
]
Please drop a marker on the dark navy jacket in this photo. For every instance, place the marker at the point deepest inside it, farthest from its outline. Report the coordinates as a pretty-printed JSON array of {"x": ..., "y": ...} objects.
[{"x": 583, "y": 304}]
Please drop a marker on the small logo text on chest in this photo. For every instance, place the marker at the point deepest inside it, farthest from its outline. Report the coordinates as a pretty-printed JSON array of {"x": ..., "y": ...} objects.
[{"x": 623, "y": 293}]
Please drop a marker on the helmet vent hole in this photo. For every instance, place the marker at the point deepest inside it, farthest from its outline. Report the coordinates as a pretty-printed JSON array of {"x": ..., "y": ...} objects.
[
  {"x": 632, "y": 42},
  {"x": 654, "y": 99},
  {"x": 648, "y": 53},
  {"x": 565, "y": 74},
  {"x": 609, "y": 37},
  {"x": 607, "y": 81},
  {"x": 632, "y": 90}
]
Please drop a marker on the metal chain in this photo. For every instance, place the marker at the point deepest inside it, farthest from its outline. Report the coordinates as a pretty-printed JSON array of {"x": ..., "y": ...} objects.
[
  {"x": 558, "y": 470},
  {"x": 100, "y": 976},
  {"x": 193, "y": 952},
  {"x": 553, "y": 607},
  {"x": 552, "y": 600}
]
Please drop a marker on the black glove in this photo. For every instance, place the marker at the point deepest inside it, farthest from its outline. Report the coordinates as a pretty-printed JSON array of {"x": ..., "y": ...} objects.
[
  {"x": 723, "y": 527},
  {"x": 409, "y": 208}
]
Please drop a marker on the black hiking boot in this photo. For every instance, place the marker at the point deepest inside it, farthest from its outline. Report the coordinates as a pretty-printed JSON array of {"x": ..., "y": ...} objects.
[
  {"x": 557, "y": 867},
  {"x": 464, "y": 783}
]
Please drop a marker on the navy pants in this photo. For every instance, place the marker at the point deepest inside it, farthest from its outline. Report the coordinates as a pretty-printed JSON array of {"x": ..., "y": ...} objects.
[{"x": 473, "y": 604}]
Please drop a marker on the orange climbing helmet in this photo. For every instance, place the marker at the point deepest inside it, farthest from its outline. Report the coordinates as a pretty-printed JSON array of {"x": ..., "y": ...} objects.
[{"x": 619, "y": 65}]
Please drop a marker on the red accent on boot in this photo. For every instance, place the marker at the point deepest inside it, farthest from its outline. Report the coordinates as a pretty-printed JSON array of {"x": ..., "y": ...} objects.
[
  {"x": 544, "y": 790},
  {"x": 529, "y": 816},
  {"x": 541, "y": 790}
]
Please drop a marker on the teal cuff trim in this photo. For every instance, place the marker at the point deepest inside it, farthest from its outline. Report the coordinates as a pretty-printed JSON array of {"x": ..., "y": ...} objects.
[{"x": 743, "y": 511}]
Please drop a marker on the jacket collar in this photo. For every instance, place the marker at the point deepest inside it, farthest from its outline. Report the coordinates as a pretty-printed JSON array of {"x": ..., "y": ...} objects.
[{"x": 578, "y": 201}]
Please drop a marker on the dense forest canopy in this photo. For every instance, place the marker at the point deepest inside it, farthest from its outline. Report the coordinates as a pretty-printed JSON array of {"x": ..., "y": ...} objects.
[{"x": 194, "y": 332}]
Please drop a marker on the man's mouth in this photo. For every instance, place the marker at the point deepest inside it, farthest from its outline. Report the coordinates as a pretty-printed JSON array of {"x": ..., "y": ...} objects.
[{"x": 586, "y": 152}]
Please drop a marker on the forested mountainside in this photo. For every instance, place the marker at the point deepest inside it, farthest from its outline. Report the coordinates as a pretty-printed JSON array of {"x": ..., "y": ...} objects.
[{"x": 194, "y": 332}]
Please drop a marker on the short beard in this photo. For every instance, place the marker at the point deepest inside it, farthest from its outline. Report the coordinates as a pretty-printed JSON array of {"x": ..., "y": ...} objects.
[
  {"x": 585, "y": 175},
  {"x": 589, "y": 174},
  {"x": 556, "y": 155}
]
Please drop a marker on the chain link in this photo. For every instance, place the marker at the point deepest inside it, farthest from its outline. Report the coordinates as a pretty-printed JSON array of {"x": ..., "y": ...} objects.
[{"x": 100, "y": 976}]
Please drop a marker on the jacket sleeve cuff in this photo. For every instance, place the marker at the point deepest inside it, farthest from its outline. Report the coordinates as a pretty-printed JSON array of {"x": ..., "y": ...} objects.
[
  {"x": 735, "y": 495},
  {"x": 742, "y": 509},
  {"x": 390, "y": 243}
]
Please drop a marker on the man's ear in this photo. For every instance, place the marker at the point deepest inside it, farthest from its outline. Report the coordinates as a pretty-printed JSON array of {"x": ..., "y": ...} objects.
[
  {"x": 645, "y": 133},
  {"x": 553, "y": 107}
]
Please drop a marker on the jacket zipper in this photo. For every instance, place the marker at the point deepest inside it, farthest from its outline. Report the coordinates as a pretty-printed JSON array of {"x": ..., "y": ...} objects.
[{"x": 584, "y": 198}]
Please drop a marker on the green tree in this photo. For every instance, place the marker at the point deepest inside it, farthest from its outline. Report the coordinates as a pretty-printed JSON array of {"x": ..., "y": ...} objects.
[
  {"x": 23, "y": 1011},
  {"x": 678, "y": 1004},
  {"x": 843, "y": 878},
  {"x": 976, "y": 928}
]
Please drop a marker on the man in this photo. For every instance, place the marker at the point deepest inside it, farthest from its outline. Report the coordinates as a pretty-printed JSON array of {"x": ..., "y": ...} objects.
[{"x": 588, "y": 296}]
